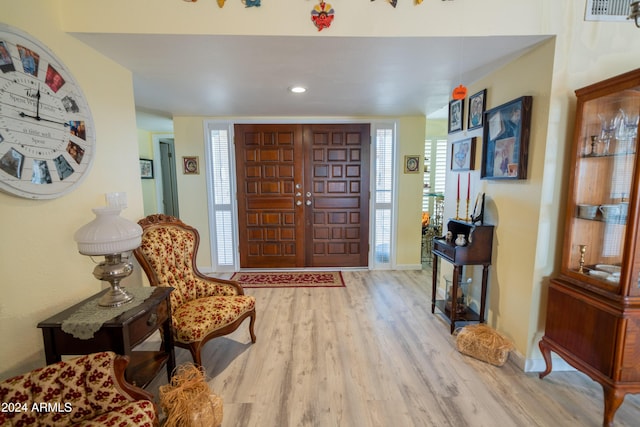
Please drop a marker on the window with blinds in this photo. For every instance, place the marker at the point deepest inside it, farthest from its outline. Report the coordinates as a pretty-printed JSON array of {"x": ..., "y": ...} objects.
[
  {"x": 383, "y": 194},
  {"x": 435, "y": 153},
  {"x": 222, "y": 215}
]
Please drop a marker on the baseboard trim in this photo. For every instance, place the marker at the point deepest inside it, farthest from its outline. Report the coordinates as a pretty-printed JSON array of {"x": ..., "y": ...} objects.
[
  {"x": 408, "y": 267},
  {"x": 538, "y": 364}
]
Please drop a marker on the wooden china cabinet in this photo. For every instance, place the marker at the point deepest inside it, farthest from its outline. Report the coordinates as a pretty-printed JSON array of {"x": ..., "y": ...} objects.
[{"x": 593, "y": 309}]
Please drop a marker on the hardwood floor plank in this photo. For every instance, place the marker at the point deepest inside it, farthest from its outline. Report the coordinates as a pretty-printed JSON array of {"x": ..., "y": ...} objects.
[{"x": 372, "y": 354}]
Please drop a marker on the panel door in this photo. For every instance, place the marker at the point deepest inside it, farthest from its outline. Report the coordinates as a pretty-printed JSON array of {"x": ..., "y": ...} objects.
[
  {"x": 303, "y": 195},
  {"x": 337, "y": 187},
  {"x": 269, "y": 166}
]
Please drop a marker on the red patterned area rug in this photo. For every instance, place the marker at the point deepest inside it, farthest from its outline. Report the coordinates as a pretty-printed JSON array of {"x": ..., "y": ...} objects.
[{"x": 303, "y": 279}]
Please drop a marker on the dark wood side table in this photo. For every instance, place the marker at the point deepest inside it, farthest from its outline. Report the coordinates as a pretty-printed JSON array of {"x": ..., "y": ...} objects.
[
  {"x": 477, "y": 251},
  {"x": 120, "y": 335}
]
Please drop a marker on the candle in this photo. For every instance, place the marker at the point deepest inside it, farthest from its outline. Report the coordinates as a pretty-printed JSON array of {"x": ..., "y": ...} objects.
[
  {"x": 458, "y": 186},
  {"x": 469, "y": 187}
]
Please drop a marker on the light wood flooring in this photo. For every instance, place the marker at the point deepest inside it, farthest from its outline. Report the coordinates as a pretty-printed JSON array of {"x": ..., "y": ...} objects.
[{"x": 372, "y": 354}]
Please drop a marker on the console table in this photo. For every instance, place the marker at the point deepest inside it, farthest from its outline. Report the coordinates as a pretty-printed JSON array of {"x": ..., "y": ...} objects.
[
  {"x": 477, "y": 251},
  {"x": 120, "y": 335}
]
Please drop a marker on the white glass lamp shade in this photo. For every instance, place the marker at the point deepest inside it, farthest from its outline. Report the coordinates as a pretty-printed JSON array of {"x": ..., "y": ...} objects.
[{"x": 108, "y": 233}]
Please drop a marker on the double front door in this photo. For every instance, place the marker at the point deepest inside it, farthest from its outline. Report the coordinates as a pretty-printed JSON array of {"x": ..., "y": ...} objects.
[{"x": 303, "y": 195}]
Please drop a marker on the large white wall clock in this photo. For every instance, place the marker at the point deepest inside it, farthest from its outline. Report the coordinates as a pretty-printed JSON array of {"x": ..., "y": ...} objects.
[{"x": 47, "y": 137}]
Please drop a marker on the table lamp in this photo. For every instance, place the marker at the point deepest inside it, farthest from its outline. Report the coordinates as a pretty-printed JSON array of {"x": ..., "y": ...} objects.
[{"x": 110, "y": 235}]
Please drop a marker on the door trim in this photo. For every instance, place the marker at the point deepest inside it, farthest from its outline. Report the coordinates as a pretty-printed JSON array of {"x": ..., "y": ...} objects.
[{"x": 157, "y": 168}]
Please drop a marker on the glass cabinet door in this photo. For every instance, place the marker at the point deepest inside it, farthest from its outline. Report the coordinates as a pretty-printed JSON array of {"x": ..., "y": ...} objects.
[{"x": 602, "y": 189}]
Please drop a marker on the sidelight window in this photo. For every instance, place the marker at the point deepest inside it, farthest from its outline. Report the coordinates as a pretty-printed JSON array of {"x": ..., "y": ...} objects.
[
  {"x": 222, "y": 214},
  {"x": 383, "y": 194}
]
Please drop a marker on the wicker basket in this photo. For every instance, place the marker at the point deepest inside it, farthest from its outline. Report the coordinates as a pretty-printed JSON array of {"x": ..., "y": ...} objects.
[{"x": 483, "y": 343}]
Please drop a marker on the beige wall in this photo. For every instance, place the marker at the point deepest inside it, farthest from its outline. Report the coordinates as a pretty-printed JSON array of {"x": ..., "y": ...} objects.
[
  {"x": 192, "y": 189},
  {"x": 149, "y": 194},
  {"x": 42, "y": 271},
  {"x": 411, "y": 136}
]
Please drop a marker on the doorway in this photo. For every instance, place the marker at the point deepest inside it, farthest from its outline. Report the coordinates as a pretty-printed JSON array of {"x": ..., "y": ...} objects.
[
  {"x": 169, "y": 193},
  {"x": 303, "y": 194}
]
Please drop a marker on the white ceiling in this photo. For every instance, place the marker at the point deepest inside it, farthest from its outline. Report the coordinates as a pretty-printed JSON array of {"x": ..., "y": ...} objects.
[{"x": 176, "y": 75}]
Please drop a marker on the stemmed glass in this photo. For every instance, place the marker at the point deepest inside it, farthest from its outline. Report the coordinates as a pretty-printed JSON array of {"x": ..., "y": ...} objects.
[
  {"x": 609, "y": 125},
  {"x": 628, "y": 130}
]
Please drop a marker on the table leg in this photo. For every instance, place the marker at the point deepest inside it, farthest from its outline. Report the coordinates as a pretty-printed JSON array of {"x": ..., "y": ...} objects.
[
  {"x": 454, "y": 296},
  {"x": 434, "y": 283},
  {"x": 485, "y": 275},
  {"x": 50, "y": 353},
  {"x": 167, "y": 334}
]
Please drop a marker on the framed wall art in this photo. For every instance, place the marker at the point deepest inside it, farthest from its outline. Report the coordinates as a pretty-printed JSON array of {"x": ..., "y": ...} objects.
[
  {"x": 477, "y": 105},
  {"x": 506, "y": 140},
  {"x": 463, "y": 155},
  {"x": 146, "y": 168},
  {"x": 456, "y": 112},
  {"x": 411, "y": 164},
  {"x": 190, "y": 165}
]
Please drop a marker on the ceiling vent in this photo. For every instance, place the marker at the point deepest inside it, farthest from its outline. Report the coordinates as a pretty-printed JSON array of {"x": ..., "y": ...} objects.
[{"x": 607, "y": 10}]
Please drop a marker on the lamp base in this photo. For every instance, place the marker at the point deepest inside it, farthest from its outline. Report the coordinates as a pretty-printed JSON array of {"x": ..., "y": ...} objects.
[
  {"x": 113, "y": 269},
  {"x": 115, "y": 297}
]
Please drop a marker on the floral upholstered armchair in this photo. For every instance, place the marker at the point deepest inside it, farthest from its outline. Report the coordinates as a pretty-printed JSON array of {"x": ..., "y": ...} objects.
[
  {"x": 83, "y": 391},
  {"x": 202, "y": 307}
]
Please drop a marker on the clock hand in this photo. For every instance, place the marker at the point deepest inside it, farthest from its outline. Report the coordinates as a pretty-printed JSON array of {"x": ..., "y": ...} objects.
[
  {"x": 41, "y": 119},
  {"x": 37, "y": 116},
  {"x": 38, "y": 103}
]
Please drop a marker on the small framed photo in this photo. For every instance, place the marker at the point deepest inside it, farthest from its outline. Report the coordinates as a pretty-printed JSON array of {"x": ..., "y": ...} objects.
[
  {"x": 463, "y": 154},
  {"x": 506, "y": 140},
  {"x": 146, "y": 168},
  {"x": 411, "y": 164},
  {"x": 477, "y": 105},
  {"x": 190, "y": 165},
  {"x": 456, "y": 112}
]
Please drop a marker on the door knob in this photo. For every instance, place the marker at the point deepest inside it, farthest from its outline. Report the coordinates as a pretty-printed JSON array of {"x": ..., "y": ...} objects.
[
  {"x": 308, "y": 194},
  {"x": 298, "y": 202},
  {"x": 308, "y": 202}
]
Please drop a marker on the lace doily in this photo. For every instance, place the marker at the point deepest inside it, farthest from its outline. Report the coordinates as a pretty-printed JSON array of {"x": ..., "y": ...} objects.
[{"x": 88, "y": 319}]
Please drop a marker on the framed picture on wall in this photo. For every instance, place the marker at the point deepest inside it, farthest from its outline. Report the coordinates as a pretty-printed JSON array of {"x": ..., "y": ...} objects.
[
  {"x": 456, "y": 112},
  {"x": 411, "y": 164},
  {"x": 477, "y": 105},
  {"x": 506, "y": 140},
  {"x": 146, "y": 168},
  {"x": 190, "y": 165},
  {"x": 463, "y": 155}
]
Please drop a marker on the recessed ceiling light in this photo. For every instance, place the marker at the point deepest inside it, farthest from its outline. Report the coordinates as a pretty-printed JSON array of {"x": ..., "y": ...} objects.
[{"x": 298, "y": 89}]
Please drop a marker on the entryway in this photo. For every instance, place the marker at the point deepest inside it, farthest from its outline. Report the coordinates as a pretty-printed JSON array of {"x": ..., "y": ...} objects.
[{"x": 303, "y": 195}]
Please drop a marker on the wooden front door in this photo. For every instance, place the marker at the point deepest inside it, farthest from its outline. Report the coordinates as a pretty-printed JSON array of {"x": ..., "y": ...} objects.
[{"x": 303, "y": 195}]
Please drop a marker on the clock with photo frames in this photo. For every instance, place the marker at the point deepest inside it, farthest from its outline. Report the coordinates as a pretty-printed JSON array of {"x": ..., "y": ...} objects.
[{"x": 47, "y": 136}]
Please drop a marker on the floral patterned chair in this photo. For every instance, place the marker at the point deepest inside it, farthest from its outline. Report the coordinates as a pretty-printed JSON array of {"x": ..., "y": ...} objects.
[
  {"x": 202, "y": 307},
  {"x": 83, "y": 391}
]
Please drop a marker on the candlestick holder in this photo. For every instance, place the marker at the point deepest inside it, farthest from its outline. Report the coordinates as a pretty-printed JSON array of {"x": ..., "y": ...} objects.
[
  {"x": 466, "y": 217},
  {"x": 583, "y": 250},
  {"x": 458, "y": 209}
]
